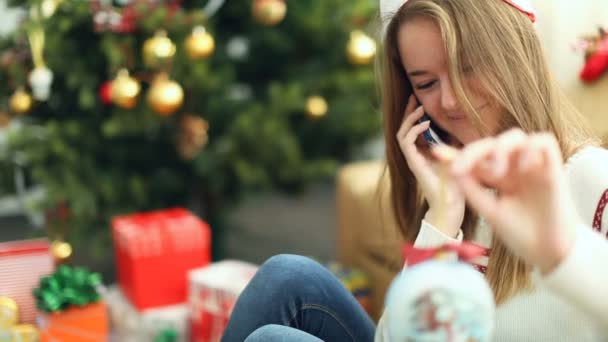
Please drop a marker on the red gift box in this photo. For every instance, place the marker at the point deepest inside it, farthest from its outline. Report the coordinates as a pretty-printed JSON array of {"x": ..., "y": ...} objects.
[
  {"x": 22, "y": 264},
  {"x": 155, "y": 251},
  {"x": 213, "y": 294}
]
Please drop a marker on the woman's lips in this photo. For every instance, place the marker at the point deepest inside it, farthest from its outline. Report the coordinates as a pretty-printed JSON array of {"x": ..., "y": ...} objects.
[{"x": 456, "y": 117}]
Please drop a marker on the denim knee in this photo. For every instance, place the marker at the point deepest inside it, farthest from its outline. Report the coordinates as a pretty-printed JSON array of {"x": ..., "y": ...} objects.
[
  {"x": 280, "y": 333},
  {"x": 282, "y": 261},
  {"x": 291, "y": 271}
]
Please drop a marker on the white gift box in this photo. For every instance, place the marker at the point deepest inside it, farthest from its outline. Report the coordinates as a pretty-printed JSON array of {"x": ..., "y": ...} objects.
[
  {"x": 214, "y": 290},
  {"x": 131, "y": 325}
]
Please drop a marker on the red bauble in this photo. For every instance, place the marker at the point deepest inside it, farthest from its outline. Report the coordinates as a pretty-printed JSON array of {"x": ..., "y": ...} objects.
[
  {"x": 128, "y": 21},
  {"x": 596, "y": 56},
  {"x": 105, "y": 93},
  {"x": 595, "y": 67}
]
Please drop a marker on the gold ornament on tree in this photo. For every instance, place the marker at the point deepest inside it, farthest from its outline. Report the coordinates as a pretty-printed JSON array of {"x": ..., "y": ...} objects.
[
  {"x": 125, "y": 90},
  {"x": 61, "y": 251},
  {"x": 57, "y": 226},
  {"x": 269, "y": 12},
  {"x": 361, "y": 48},
  {"x": 192, "y": 136},
  {"x": 200, "y": 44},
  {"x": 158, "y": 50},
  {"x": 316, "y": 107},
  {"x": 21, "y": 102},
  {"x": 165, "y": 96}
]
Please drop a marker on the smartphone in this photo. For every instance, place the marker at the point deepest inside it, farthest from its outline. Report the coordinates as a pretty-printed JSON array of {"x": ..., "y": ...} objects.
[{"x": 434, "y": 135}]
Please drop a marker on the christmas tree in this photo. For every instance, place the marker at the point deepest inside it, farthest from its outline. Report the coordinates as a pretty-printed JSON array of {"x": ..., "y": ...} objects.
[{"x": 155, "y": 104}]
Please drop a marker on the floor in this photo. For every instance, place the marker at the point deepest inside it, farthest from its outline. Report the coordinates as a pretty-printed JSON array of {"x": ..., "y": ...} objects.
[{"x": 262, "y": 226}]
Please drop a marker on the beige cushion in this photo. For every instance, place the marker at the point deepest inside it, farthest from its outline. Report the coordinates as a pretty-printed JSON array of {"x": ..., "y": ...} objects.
[{"x": 367, "y": 235}]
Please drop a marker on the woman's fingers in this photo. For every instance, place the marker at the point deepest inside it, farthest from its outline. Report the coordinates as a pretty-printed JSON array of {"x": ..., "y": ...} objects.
[
  {"x": 412, "y": 103},
  {"x": 409, "y": 121},
  {"x": 408, "y": 144},
  {"x": 549, "y": 147},
  {"x": 480, "y": 197},
  {"x": 508, "y": 147},
  {"x": 472, "y": 156}
]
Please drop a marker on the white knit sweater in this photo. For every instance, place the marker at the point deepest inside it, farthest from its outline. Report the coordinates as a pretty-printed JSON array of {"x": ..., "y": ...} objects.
[{"x": 571, "y": 303}]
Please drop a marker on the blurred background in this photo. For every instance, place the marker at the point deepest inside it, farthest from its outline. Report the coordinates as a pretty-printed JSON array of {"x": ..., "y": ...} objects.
[
  {"x": 242, "y": 114},
  {"x": 259, "y": 116}
]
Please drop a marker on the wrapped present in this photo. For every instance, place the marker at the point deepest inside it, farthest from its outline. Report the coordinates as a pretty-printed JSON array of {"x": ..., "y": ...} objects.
[
  {"x": 173, "y": 241},
  {"x": 424, "y": 303},
  {"x": 10, "y": 330},
  {"x": 355, "y": 281},
  {"x": 213, "y": 294},
  {"x": 72, "y": 305},
  {"x": 22, "y": 264},
  {"x": 76, "y": 324},
  {"x": 168, "y": 323}
]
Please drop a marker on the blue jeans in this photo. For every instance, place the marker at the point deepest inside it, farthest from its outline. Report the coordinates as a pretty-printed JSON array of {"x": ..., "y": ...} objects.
[{"x": 292, "y": 298}]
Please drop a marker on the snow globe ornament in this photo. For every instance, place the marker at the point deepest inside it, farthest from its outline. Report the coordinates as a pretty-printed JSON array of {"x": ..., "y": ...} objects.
[{"x": 440, "y": 299}]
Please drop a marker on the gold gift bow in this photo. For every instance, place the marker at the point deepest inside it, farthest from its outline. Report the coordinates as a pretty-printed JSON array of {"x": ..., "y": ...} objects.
[{"x": 9, "y": 329}]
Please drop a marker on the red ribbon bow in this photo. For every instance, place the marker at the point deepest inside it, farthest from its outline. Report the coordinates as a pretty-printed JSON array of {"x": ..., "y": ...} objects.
[{"x": 465, "y": 252}]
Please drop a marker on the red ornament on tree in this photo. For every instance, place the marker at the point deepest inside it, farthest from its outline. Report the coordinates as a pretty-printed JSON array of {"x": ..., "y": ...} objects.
[
  {"x": 596, "y": 56},
  {"x": 108, "y": 18},
  {"x": 105, "y": 93}
]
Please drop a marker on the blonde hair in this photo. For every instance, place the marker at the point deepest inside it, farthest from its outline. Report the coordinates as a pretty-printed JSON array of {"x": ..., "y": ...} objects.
[{"x": 502, "y": 47}]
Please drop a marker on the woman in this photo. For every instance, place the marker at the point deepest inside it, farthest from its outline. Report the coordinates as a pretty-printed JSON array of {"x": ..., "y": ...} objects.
[{"x": 476, "y": 68}]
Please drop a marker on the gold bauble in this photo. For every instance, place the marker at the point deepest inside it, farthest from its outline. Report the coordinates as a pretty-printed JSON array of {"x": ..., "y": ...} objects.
[
  {"x": 21, "y": 102},
  {"x": 5, "y": 119},
  {"x": 158, "y": 50},
  {"x": 200, "y": 44},
  {"x": 361, "y": 48},
  {"x": 269, "y": 12},
  {"x": 165, "y": 96},
  {"x": 9, "y": 313},
  {"x": 316, "y": 107},
  {"x": 25, "y": 333},
  {"x": 125, "y": 90},
  {"x": 61, "y": 250}
]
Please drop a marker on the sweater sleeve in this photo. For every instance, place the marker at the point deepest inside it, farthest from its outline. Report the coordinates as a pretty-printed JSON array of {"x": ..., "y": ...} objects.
[
  {"x": 429, "y": 236},
  {"x": 582, "y": 277}
]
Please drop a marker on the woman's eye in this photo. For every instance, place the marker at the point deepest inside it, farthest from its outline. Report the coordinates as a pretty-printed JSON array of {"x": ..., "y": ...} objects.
[{"x": 426, "y": 85}]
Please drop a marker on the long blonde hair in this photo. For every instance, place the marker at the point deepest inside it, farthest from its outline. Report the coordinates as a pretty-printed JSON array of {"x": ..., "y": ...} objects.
[{"x": 501, "y": 45}]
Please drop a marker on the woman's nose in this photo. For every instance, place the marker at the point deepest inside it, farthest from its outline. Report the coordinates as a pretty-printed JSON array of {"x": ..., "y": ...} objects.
[{"x": 449, "y": 101}]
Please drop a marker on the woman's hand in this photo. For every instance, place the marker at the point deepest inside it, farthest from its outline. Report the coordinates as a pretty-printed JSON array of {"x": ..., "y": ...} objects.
[
  {"x": 417, "y": 154},
  {"x": 531, "y": 209}
]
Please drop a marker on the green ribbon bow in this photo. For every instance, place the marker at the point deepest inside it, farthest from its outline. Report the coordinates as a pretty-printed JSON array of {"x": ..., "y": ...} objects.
[
  {"x": 66, "y": 287},
  {"x": 166, "y": 335}
]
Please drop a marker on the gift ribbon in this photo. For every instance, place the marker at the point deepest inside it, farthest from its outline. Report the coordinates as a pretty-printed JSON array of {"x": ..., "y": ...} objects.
[
  {"x": 67, "y": 286},
  {"x": 466, "y": 252}
]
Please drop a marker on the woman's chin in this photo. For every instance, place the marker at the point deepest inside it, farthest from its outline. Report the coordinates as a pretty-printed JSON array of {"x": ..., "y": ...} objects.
[{"x": 454, "y": 142}]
